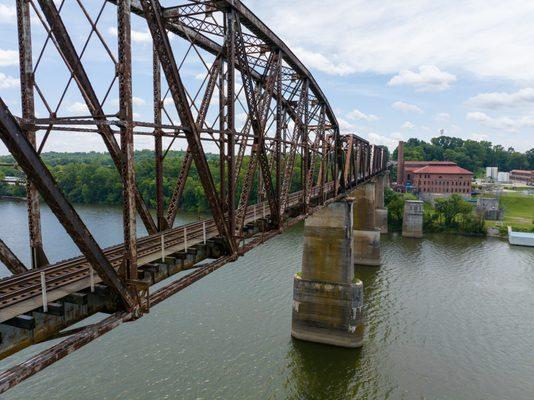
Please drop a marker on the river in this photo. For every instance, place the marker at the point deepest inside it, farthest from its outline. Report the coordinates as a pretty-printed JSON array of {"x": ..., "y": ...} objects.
[{"x": 448, "y": 317}]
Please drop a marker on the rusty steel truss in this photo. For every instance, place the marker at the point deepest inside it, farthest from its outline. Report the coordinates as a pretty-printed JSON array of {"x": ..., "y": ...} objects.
[{"x": 257, "y": 107}]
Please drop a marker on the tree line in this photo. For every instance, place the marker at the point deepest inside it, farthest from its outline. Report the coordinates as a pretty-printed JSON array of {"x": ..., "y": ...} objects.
[
  {"x": 469, "y": 154},
  {"x": 91, "y": 178}
]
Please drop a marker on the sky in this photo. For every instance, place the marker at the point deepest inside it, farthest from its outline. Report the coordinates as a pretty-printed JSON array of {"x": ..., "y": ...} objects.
[{"x": 391, "y": 70}]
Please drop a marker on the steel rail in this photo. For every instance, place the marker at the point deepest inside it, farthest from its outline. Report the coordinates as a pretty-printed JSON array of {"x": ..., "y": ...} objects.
[{"x": 18, "y": 288}]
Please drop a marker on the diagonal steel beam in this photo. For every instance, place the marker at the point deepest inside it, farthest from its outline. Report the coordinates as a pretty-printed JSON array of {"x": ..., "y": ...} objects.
[
  {"x": 27, "y": 158},
  {"x": 188, "y": 158},
  {"x": 89, "y": 95},
  {"x": 290, "y": 163},
  {"x": 11, "y": 261},
  {"x": 260, "y": 113},
  {"x": 258, "y": 116},
  {"x": 204, "y": 42},
  {"x": 152, "y": 12},
  {"x": 319, "y": 136}
]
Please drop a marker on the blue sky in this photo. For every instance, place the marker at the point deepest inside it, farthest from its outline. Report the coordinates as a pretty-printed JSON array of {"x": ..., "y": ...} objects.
[{"x": 392, "y": 70}]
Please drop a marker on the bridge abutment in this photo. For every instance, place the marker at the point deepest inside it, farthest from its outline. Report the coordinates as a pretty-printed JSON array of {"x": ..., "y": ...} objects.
[
  {"x": 327, "y": 300},
  {"x": 366, "y": 235},
  {"x": 412, "y": 222}
]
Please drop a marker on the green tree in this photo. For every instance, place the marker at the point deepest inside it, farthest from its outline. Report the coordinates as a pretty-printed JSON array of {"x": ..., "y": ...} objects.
[{"x": 448, "y": 209}]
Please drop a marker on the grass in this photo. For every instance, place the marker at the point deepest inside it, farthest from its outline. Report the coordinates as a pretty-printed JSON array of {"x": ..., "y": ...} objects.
[{"x": 518, "y": 211}]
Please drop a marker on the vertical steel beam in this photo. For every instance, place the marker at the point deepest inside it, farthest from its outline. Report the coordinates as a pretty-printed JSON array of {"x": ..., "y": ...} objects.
[
  {"x": 280, "y": 117},
  {"x": 348, "y": 158},
  {"x": 305, "y": 150},
  {"x": 158, "y": 141},
  {"x": 222, "y": 138},
  {"x": 11, "y": 261},
  {"x": 230, "y": 118},
  {"x": 339, "y": 182},
  {"x": 27, "y": 158},
  {"x": 154, "y": 18},
  {"x": 28, "y": 114},
  {"x": 323, "y": 172},
  {"x": 124, "y": 72}
]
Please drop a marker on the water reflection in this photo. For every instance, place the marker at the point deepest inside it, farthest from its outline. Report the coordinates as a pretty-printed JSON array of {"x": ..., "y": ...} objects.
[
  {"x": 320, "y": 372},
  {"x": 447, "y": 317}
]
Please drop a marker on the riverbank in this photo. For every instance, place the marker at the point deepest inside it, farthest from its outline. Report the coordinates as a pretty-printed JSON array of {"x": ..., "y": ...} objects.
[
  {"x": 518, "y": 212},
  {"x": 454, "y": 215}
]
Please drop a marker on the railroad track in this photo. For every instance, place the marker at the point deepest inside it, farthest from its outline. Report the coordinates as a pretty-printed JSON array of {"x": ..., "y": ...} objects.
[{"x": 68, "y": 276}]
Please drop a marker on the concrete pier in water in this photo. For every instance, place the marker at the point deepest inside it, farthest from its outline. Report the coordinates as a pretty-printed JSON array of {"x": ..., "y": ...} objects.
[
  {"x": 327, "y": 300},
  {"x": 412, "y": 223},
  {"x": 366, "y": 240}
]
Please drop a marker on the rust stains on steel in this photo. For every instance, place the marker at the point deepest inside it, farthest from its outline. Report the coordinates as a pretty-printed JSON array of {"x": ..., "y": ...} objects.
[
  {"x": 152, "y": 11},
  {"x": 284, "y": 121},
  {"x": 20, "y": 372},
  {"x": 10, "y": 260},
  {"x": 27, "y": 158},
  {"x": 68, "y": 52}
]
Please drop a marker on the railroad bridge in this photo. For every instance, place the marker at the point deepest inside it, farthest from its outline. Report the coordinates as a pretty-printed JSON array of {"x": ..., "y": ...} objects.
[{"x": 281, "y": 157}]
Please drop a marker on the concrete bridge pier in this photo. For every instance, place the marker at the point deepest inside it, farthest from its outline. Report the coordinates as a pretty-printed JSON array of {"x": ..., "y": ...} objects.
[
  {"x": 381, "y": 210},
  {"x": 327, "y": 300},
  {"x": 412, "y": 222},
  {"x": 366, "y": 235}
]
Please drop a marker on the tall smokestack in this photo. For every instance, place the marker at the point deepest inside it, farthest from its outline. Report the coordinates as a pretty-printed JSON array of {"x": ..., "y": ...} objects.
[{"x": 400, "y": 163}]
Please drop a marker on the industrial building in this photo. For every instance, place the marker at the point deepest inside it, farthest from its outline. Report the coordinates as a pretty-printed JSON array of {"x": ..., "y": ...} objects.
[
  {"x": 440, "y": 177},
  {"x": 522, "y": 176}
]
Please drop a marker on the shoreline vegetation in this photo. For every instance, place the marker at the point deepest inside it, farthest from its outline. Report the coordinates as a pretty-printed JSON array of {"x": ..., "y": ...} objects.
[
  {"x": 457, "y": 216},
  {"x": 91, "y": 178}
]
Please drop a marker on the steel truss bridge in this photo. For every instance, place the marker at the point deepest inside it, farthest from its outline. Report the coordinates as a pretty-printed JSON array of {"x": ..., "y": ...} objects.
[{"x": 255, "y": 105}]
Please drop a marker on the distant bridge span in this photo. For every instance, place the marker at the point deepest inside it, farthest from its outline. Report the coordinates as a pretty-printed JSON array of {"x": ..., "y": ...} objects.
[{"x": 280, "y": 153}]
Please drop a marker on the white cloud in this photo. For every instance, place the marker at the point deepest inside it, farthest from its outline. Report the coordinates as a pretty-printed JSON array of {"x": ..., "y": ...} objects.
[
  {"x": 322, "y": 63},
  {"x": 496, "y": 100},
  {"x": 8, "y": 14},
  {"x": 429, "y": 78},
  {"x": 9, "y": 57},
  {"x": 78, "y": 108},
  {"x": 402, "y": 106},
  {"x": 345, "y": 126},
  {"x": 7, "y": 81},
  {"x": 455, "y": 129},
  {"x": 501, "y": 123},
  {"x": 442, "y": 117},
  {"x": 479, "y": 137},
  {"x": 138, "y": 101},
  {"x": 357, "y": 114},
  {"x": 390, "y": 35},
  {"x": 390, "y": 141},
  {"x": 137, "y": 36},
  {"x": 408, "y": 125}
]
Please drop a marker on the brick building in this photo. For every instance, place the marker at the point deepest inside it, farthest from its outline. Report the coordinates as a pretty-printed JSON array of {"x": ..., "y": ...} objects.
[
  {"x": 520, "y": 175},
  {"x": 446, "y": 179},
  {"x": 443, "y": 177}
]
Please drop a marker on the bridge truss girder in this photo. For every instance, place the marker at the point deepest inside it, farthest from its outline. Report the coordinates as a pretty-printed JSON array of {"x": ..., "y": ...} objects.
[{"x": 258, "y": 109}]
